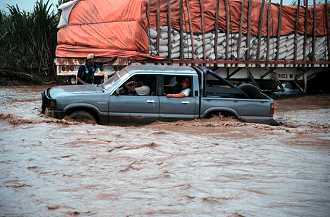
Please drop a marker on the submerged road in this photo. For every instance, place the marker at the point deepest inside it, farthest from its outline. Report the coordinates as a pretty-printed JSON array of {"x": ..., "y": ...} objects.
[{"x": 214, "y": 167}]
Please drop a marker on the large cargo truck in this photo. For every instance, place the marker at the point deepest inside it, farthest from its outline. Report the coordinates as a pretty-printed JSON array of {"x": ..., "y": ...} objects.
[{"x": 248, "y": 40}]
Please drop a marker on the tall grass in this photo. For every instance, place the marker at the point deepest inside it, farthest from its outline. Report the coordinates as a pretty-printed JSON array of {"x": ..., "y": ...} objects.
[{"x": 28, "y": 42}]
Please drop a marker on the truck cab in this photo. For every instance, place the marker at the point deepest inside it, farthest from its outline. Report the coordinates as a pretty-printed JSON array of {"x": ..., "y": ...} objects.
[{"x": 161, "y": 81}]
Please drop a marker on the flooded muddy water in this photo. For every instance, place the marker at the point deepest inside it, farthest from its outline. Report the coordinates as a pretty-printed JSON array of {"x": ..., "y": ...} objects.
[{"x": 213, "y": 167}]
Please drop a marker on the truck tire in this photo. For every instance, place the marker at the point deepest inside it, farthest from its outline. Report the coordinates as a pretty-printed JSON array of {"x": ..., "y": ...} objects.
[
  {"x": 82, "y": 116},
  {"x": 221, "y": 114}
]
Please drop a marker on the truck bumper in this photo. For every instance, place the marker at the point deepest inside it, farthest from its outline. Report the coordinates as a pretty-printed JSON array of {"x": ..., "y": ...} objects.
[
  {"x": 47, "y": 110},
  {"x": 55, "y": 113}
]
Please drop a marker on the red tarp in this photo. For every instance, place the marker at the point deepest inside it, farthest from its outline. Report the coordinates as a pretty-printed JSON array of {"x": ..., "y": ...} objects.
[
  {"x": 105, "y": 28},
  {"x": 118, "y": 28},
  {"x": 234, "y": 8}
]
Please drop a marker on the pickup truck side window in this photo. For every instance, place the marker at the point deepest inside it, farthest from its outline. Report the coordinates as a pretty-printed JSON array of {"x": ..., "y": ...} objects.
[
  {"x": 172, "y": 84},
  {"x": 139, "y": 85},
  {"x": 215, "y": 87}
]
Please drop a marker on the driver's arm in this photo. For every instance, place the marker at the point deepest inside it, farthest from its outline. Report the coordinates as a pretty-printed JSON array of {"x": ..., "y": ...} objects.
[
  {"x": 176, "y": 95},
  {"x": 183, "y": 93},
  {"x": 130, "y": 86}
]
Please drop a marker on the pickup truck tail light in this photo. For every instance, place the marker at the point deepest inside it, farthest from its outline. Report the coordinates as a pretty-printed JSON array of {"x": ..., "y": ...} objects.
[{"x": 272, "y": 110}]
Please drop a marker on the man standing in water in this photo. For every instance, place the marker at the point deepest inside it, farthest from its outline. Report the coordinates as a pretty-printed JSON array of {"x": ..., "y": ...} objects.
[{"x": 86, "y": 72}]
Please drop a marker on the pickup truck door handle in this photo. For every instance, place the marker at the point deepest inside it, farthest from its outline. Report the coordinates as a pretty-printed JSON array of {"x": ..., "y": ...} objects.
[
  {"x": 185, "y": 102},
  {"x": 150, "y": 101}
]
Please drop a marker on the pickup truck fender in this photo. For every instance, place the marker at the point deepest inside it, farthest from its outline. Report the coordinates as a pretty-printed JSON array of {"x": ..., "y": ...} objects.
[
  {"x": 220, "y": 109},
  {"x": 84, "y": 106}
]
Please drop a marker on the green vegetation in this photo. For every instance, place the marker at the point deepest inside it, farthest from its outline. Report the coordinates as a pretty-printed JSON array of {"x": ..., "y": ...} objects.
[{"x": 28, "y": 42}]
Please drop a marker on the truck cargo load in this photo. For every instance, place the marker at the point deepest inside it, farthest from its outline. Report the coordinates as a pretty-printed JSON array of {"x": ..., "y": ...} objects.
[
  {"x": 217, "y": 33},
  {"x": 195, "y": 29}
]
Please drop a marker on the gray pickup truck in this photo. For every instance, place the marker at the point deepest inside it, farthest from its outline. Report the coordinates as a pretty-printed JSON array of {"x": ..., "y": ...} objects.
[{"x": 209, "y": 94}]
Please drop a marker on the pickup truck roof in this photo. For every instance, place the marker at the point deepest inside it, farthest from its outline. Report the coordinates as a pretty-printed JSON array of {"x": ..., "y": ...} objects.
[{"x": 152, "y": 68}]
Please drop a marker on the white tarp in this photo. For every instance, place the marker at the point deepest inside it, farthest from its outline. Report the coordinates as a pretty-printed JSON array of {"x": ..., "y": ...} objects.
[{"x": 66, "y": 9}]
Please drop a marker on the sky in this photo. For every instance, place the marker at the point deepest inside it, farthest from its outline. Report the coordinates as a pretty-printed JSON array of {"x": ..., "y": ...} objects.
[{"x": 28, "y": 4}]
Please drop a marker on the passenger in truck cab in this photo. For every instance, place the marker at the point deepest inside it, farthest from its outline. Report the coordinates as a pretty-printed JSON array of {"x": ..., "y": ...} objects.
[
  {"x": 86, "y": 72},
  {"x": 185, "y": 89}
]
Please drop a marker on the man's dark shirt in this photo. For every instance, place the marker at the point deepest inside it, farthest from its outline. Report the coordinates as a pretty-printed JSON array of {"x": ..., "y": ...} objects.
[{"x": 86, "y": 73}]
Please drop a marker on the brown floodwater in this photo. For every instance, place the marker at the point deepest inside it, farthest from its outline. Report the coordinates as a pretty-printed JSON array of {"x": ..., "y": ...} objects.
[{"x": 213, "y": 167}]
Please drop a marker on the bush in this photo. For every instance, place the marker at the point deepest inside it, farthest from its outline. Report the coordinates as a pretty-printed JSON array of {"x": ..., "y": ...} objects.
[{"x": 28, "y": 42}]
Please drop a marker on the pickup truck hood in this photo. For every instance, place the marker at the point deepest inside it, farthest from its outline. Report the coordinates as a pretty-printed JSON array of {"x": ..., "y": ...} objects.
[{"x": 60, "y": 91}]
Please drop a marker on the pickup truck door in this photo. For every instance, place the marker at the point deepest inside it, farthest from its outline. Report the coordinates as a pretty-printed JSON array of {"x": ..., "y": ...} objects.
[
  {"x": 135, "y": 106},
  {"x": 180, "y": 107}
]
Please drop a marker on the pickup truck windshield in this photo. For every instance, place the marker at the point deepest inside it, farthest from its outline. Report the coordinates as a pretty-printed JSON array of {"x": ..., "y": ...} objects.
[{"x": 117, "y": 76}]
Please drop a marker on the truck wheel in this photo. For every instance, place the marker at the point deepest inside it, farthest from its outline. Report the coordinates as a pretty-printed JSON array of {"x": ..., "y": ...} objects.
[
  {"x": 222, "y": 115},
  {"x": 81, "y": 116}
]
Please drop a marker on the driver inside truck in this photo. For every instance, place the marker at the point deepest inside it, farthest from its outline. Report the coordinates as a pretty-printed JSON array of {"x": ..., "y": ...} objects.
[
  {"x": 137, "y": 88},
  {"x": 185, "y": 89}
]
